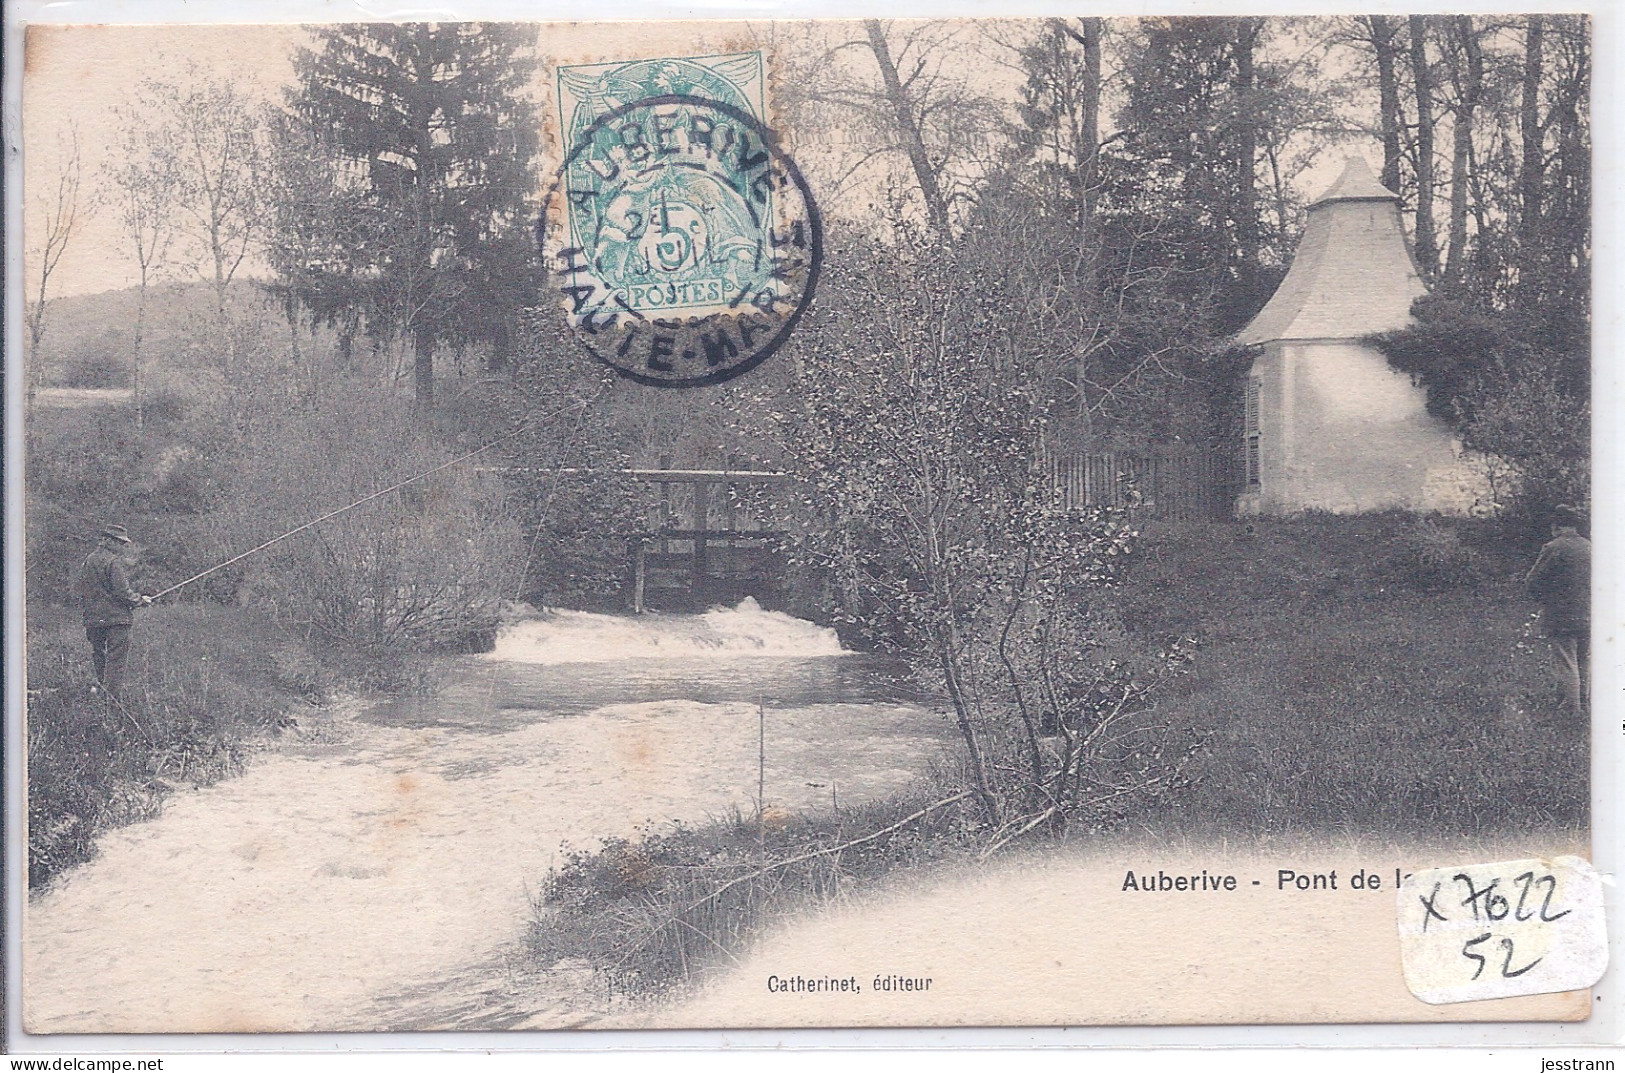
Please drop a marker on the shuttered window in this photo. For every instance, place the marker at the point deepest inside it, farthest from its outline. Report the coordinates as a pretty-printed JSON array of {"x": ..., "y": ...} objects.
[{"x": 1252, "y": 432}]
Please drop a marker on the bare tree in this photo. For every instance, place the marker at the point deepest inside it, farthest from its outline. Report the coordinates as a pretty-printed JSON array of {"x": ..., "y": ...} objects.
[
  {"x": 145, "y": 178},
  {"x": 218, "y": 167},
  {"x": 914, "y": 105},
  {"x": 59, "y": 210},
  {"x": 906, "y": 116},
  {"x": 1532, "y": 169},
  {"x": 1427, "y": 243},
  {"x": 1468, "y": 75}
]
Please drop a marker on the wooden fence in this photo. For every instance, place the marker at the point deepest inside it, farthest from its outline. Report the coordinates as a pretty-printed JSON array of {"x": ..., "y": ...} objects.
[{"x": 1173, "y": 485}]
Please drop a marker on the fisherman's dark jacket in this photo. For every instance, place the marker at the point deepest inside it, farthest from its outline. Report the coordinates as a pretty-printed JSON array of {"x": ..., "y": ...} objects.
[
  {"x": 104, "y": 590},
  {"x": 1561, "y": 582}
]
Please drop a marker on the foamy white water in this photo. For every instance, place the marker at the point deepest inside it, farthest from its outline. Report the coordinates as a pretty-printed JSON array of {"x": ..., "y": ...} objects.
[
  {"x": 722, "y": 633},
  {"x": 307, "y": 893}
]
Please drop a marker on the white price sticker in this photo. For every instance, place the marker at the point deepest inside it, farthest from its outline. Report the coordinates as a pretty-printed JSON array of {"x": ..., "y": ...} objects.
[{"x": 1482, "y": 931}]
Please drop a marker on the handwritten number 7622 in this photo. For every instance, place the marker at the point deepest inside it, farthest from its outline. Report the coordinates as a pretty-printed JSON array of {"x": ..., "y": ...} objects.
[{"x": 1489, "y": 904}]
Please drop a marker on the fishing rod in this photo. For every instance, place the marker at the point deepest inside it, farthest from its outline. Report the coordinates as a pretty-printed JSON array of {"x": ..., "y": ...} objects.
[{"x": 364, "y": 499}]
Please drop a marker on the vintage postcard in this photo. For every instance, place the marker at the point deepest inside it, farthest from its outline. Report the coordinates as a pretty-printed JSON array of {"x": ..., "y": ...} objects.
[{"x": 1076, "y": 521}]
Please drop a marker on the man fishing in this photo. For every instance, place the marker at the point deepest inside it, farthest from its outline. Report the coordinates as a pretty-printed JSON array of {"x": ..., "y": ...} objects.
[
  {"x": 109, "y": 602},
  {"x": 103, "y": 583}
]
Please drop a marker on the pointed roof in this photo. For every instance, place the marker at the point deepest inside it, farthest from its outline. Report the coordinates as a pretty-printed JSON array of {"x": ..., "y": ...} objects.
[
  {"x": 1352, "y": 275},
  {"x": 1356, "y": 184}
]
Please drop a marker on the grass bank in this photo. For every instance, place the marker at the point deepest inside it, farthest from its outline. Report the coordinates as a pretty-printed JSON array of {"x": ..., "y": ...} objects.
[
  {"x": 207, "y": 684},
  {"x": 652, "y": 912},
  {"x": 1375, "y": 676}
]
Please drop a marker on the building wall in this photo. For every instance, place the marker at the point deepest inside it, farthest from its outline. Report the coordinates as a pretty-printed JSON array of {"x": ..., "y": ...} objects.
[{"x": 1340, "y": 430}]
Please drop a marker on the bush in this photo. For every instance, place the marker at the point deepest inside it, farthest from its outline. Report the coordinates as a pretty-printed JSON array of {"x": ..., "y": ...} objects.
[
  {"x": 1432, "y": 558},
  {"x": 1515, "y": 383},
  {"x": 916, "y": 433},
  {"x": 650, "y": 913},
  {"x": 422, "y": 567},
  {"x": 205, "y": 683}
]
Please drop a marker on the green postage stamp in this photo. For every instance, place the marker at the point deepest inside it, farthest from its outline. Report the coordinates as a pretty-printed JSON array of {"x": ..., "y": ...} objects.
[{"x": 681, "y": 238}]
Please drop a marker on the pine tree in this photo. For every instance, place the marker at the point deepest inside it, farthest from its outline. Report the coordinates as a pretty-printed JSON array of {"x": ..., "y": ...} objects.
[
  {"x": 1192, "y": 125},
  {"x": 432, "y": 125}
]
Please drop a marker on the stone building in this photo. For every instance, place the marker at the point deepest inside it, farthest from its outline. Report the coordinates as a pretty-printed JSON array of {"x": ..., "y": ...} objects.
[{"x": 1330, "y": 425}]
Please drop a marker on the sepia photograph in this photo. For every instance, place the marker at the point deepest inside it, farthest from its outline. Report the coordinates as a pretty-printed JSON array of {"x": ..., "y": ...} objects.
[{"x": 804, "y": 524}]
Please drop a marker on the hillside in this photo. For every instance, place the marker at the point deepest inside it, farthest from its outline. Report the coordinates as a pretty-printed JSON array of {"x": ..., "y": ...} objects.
[{"x": 88, "y": 337}]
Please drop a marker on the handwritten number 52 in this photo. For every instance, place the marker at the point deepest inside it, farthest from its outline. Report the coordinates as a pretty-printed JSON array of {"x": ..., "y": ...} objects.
[{"x": 1507, "y": 970}]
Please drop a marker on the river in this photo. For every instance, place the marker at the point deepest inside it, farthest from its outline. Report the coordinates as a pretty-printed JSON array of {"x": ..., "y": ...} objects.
[{"x": 379, "y": 875}]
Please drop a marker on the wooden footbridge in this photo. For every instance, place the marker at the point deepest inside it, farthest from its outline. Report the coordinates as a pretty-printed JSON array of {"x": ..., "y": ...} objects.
[
  {"x": 703, "y": 544},
  {"x": 703, "y": 540}
]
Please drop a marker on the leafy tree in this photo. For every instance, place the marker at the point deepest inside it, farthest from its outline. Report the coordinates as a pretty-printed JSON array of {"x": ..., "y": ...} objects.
[
  {"x": 916, "y": 426},
  {"x": 1185, "y": 133},
  {"x": 1059, "y": 108},
  {"x": 1516, "y": 387},
  {"x": 1166, "y": 210},
  {"x": 1427, "y": 245},
  {"x": 1381, "y": 35},
  {"x": 1555, "y": 235},
  {"x": 1490, "y": 118},
  {"x": 314, "y": 232},
  {"x": 1465, "y": 50},
  {"x": 434, "y": 127}
]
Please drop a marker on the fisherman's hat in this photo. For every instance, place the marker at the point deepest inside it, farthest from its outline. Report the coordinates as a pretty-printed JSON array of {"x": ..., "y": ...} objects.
[{"x": 116, "y": 532}]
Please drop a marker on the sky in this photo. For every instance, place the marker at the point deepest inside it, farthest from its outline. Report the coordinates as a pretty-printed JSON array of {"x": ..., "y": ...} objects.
[{"x": 78, "y": 75}]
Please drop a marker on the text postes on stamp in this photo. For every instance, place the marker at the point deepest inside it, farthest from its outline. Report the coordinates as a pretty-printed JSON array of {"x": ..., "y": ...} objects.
[
  {"x": 680, "y": 238},
  {"x": 1524, "y": 927}
]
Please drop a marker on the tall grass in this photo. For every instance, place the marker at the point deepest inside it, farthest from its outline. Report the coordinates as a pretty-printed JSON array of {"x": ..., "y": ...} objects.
[
  {"x": 206, "y": 682},
  {"x": 651, "y": 913},
  {"x": 1370, "y": 674}
]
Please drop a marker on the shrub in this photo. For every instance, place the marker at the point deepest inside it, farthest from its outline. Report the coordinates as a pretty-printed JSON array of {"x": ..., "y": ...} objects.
[
  {"x": 650, "y": 912},
  {"x": 1432, "y": 558},
  {"x": 422, "y": 567},
  {"x": 205, "y": 682},
  {"x": 916, "y": 435},
  {"x": 1515, "y": 383}
]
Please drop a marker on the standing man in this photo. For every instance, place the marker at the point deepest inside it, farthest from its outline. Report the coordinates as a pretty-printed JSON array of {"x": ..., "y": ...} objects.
[
  {"x": 1561, "y": 582},
  {"x": 109, "y": 602}
]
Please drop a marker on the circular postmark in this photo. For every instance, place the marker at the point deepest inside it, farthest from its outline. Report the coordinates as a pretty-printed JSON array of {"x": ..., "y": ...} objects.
[{"x": 682, "y": 241}]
